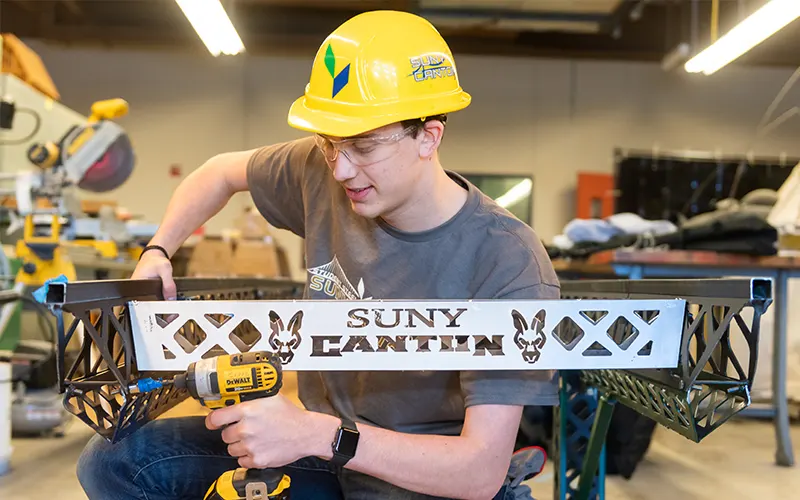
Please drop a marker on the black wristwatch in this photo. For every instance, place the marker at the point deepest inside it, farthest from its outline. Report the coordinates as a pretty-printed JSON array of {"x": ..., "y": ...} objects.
[{"x": 344, "y": 444}]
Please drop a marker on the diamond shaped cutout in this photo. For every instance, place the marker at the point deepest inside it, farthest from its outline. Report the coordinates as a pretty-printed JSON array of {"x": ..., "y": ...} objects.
[
  {"x": 594, "y": 316},
  {"x": 245, "y": 336},
  {"x": 622, "y": 332},
  {"x": 190, "y": 336},
  {"x": 568, "y": 333},
  {"x": 218, "y": 319}
]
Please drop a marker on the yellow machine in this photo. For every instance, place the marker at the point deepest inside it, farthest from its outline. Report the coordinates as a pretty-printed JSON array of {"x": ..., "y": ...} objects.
[
  {"x": 97, "y": 136},
  {"x": 95, "y": 156},
  {"x": 42, "y": 255},
  {"x": 226, "y": 380}
]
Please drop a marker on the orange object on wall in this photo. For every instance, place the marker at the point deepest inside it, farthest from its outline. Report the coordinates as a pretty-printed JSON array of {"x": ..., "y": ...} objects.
[
  {"x": 24, "y": 63},
  {"x": 595, "y": 195}
]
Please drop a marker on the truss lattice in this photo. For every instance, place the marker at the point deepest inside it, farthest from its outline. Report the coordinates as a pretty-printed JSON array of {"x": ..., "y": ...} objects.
[
  {"x": 711, "y": 382},
  {"x": 96, "y": 351}
]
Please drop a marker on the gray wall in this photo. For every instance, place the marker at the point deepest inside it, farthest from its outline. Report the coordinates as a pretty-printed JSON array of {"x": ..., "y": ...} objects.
[{"x": 549, "y": 118}]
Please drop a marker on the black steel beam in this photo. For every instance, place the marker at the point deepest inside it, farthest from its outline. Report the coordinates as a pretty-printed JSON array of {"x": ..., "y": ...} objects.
[
  {"x": 101, "y": 290},
  {"x": 758, "y": 289},
  {"x": 81, "y": 292}
]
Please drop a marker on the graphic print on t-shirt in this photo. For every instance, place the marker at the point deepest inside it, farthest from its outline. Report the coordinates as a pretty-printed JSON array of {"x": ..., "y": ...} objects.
[{"x": 331, "y": 280}]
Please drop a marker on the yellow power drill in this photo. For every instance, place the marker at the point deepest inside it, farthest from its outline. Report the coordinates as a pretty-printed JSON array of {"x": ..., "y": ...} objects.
[{"x": 225, "y": 381}]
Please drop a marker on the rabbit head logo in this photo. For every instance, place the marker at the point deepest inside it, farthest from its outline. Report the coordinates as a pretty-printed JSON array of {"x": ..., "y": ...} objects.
[
  {"x": 285, "y": 340},
  {"x": 529, "y": 340}
]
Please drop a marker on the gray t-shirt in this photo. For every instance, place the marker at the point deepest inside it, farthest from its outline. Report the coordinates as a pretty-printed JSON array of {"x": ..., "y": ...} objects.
[{"x": 483, "y": 252}]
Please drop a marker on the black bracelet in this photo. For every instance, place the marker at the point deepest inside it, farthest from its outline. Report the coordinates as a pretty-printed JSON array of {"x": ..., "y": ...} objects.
[{"x": 155, "y": 247}]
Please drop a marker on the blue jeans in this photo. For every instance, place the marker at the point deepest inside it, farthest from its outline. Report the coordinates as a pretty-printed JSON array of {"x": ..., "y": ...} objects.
[{"x": 178, "y": 458}]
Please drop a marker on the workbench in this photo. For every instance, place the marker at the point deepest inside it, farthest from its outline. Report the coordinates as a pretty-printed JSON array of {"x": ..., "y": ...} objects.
[{"x": 641, "y": 264}]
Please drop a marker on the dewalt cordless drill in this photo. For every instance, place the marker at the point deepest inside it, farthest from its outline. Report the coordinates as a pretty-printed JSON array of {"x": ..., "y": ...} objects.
[{"x": 225, "y": 381}]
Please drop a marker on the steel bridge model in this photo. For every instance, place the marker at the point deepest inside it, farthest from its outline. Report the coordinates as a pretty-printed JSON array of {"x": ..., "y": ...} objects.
[{"x": 704, "y": 385}]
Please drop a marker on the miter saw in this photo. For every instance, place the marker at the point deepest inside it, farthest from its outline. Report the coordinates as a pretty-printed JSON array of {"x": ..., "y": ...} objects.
[{"x": 95, "y": 156}]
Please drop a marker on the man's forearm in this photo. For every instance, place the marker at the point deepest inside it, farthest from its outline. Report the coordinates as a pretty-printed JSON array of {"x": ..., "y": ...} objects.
[
  {"x": 197, "y": 199},
  {"x": 448, "y": 466}
]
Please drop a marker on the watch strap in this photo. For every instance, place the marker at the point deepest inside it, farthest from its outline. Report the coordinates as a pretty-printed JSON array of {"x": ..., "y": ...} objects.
[
  {"x": 155, "y": 247},
  {"x": 340, "y": 459}
]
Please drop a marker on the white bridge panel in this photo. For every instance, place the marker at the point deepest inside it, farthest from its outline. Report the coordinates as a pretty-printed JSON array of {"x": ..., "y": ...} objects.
[{"x": 332, "y": 335}]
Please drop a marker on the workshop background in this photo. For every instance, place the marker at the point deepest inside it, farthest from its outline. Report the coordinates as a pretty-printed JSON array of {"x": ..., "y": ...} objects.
[{"x": 563, "y": 93}]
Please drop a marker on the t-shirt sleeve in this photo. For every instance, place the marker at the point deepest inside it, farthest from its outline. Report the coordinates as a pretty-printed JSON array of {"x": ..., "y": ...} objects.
[
  {"x": 279, "y": 177},
  {"x": 518, "y": 274}
]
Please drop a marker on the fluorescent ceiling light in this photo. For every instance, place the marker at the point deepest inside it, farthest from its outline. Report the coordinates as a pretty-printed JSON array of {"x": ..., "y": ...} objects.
[
  {"x": 762, "y": 24},
  {"x": 213, "y": 26},
  {"x": 515, "y": 194}
]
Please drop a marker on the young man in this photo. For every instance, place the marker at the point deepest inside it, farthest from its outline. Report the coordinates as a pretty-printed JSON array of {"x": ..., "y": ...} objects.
[{"x": 381, "y": 219}]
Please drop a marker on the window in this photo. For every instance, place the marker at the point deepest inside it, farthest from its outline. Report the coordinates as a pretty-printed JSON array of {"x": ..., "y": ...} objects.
[{"x": 513, "y": 192}]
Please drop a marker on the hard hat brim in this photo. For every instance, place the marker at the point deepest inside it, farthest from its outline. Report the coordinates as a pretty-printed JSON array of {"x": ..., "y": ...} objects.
[{"x": 304, "y": 117}]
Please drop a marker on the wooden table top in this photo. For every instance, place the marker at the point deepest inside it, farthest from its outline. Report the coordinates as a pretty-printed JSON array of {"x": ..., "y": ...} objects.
[{"x": 603, "y": 261}]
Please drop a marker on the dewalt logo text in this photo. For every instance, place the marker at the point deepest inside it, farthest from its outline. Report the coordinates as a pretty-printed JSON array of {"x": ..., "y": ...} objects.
[{"x": 241, "y": 380}]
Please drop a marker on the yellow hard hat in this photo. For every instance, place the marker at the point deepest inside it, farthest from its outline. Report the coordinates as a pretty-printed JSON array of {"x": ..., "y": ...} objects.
[{"x": 378, "y": 68}]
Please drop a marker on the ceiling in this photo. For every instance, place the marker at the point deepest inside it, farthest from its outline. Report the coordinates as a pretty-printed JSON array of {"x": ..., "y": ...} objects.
[{"x": 641, "y": 30}]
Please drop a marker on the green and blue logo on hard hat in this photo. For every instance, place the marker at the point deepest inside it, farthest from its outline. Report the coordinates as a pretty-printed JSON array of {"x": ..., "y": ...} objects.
[{"x": 340, "y": 79}]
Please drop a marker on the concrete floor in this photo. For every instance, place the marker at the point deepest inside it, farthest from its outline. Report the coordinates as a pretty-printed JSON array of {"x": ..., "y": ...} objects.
[
  {"x": 735, "y": 462},
  {"x": 45, "y": 467}
]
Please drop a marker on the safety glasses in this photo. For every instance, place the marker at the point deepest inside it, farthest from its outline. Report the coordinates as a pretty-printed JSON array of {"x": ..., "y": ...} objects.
[{"x": 362, "y": 151}]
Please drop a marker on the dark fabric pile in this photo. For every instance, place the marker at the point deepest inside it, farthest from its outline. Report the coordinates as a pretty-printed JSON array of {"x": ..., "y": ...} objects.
[
  {"x": 739, "y": 227},
  {"x": 628, "y": 439}
]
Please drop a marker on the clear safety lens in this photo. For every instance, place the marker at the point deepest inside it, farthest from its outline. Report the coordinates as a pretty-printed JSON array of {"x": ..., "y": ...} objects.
[{"x": 362, "y": 151}]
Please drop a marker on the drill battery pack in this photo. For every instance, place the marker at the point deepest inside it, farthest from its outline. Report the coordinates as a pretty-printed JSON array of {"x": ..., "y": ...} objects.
[{"x": 250, "y": 484}]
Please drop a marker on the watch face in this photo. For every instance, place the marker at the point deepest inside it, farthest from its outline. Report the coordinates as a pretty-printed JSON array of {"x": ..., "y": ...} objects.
[{"x": 346, "y": 444}]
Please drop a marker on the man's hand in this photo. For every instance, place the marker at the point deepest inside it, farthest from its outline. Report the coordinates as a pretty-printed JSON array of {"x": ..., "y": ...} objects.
[
  {"x": 268, "y": 432},
  {"x": 197, "y": 199},
  {"x": 272, "y": 432},
  {"x": 155, "y": 265}
]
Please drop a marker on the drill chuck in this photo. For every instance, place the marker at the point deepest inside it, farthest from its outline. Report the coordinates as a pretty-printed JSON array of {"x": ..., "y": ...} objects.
[
  {"x": 230, "y": 379},
  {"x": 179, "y": 381},
  {"x": 200, "y": 379}
]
